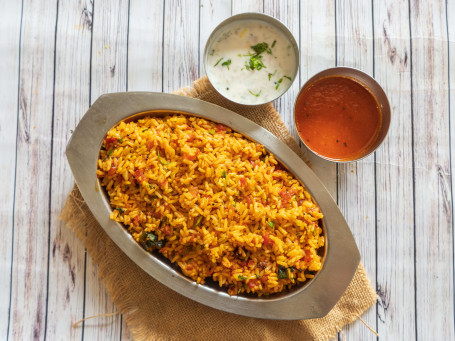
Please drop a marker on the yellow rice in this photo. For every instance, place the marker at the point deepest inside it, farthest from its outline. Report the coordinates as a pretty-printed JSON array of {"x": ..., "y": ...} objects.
[{"x": 213, "y": 202}]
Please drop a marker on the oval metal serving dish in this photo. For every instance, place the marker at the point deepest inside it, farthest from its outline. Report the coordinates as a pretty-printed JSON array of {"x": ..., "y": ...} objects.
[{"x": 311, "y": 300}]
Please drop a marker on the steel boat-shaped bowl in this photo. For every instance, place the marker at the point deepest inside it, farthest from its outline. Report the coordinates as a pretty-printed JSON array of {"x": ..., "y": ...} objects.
[{"x": 313, "y": 299}]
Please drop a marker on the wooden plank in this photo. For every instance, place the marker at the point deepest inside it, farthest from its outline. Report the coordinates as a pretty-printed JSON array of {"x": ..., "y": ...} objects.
[
  {"x": 181, "y": 44},
  {"x": 34, "y": 142},
  {"x": 317, "y": 52},
  {"x": 67, "y": 256},
  {"x": 212, "y": 13},
  {"x": 356, "y": 180},
  {"x": 145, "y": 46},
  {"x": 10, "y": 22},
  {"x": 109, "y": 74},
  {"x": 432, "y": 184},
  {"x": 450, "y": 22},
  {"x": 288, "y": 13},
  {"x": 395, "y": 276},
  {"x": 241, "y": 6}
]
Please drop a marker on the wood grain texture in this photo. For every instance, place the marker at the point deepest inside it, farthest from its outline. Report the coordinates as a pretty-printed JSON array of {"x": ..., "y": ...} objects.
[
  {"x": 145, "y": 46},
  {"x": 212, "y": 13},
  {"x": 396, "y": 319},
  {"x": 288, "y": 13},
  {"x": 67, "y": 255},
  {"x": 31, "y": 212},
  {"x": 108, "y": 74},
  {"x": 10, "y": 21},
  {"x": 432, "y": 184},
  {"x": 181, "y": 41},
  {"x": 318, "y": 52},
  {"x": 356, "y": 181},
  {"x": 240, "y": 6}
]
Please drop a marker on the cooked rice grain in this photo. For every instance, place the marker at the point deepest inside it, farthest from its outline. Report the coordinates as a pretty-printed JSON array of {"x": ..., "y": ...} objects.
[{"x": 213, "y": 202}]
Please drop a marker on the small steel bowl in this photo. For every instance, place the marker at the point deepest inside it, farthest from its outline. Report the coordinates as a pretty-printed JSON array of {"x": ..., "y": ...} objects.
[
  {"x": 248, "y": 17},
  {"x": 374, "y": 87}
]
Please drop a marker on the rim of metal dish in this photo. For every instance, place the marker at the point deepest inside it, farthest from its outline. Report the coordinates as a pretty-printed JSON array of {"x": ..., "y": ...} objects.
[
  {"x": 351, "y": 72},
  {"x": 260, "y": 17},
  {"x": 310, "y": 301}
]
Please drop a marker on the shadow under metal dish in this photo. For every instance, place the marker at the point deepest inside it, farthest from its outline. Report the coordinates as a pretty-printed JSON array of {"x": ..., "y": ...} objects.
[{"x": 312, "y": 300}]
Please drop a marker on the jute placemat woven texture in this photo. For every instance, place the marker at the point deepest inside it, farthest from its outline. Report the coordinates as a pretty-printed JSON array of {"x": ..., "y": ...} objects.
[{"x": 154, "y": 312}]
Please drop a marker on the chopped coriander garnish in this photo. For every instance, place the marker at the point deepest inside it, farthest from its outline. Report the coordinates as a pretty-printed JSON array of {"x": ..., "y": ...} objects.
[
  {"x": 211, "y": 131},
  {"x": 257, "y": 95},
  {"x": 261, "y": 47},
  {"x": 288, "y": 77},
  {"x": 202, "y": 247},
  {"x": 255, "y": 63},
  {"x": 278, "y": 83},
  {"x": 219, "y": 60},
  {"x": 282, "y": 272},
  {"x": 257, "y": 276},
  {"x": 121, "y": 210},
  {"x": 212, "y": 52},
  {"x": 241, "y": 277},
  {"x": 224, "y": 174},
  {"x": 198, "y": 221},
  {"x": 160, "y": 159},
  {"x": 273, "y": 44},
  {"x": 271, "y": 224},
  {"x": 145, "y": 130},
  {"x": 271, "y": 75},
  {"x": 226, "y": 63}
]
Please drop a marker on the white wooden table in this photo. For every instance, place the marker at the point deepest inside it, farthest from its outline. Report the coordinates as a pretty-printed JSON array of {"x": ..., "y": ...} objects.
[{"x": 57, "y": 57}]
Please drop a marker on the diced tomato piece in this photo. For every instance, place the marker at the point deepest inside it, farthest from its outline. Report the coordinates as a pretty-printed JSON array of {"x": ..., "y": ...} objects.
[
  {"x": 109, "y": 141},
  {"x": 119, "y": 178},
  {"x": 189, "y": 267},
  {"x": 286, "y": 196},
  {"x": 221, "y": 127},
  {"x": 276, "y": 178},
  {"x": 139, "y": 175},
  {"x": 267, "y": 240},
  {"x": 304, "y": 220},
  {"x": 300, "y": 202},
  {"x": 194, "y": 191},
  {"x": 167, "y": 230},
  {"x": 307, "y": 255},
  {"x": 191, "y": 157},
  {"x": 264, "y": 279},
  {"x": 162, "y": 184},
  {"x": 112, "y": 170},
  {"x": 190, "y": 138},
  {"x": 250, "y": 262},
  {"x": 207, "y": 196},
  {"x": 253, "y": 283},
  {"x": 157, "y": 215},
  {"x": 150, "y": 145},
  {"x": 243, "y": 264},
  {"x": 136, "y": 220},
  {"x": 242, "y": 181},
  {"x": 248, "y": 199}
]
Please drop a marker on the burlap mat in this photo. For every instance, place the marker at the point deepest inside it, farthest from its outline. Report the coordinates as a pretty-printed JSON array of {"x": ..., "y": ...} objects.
[{"x": 154, "y": 312}]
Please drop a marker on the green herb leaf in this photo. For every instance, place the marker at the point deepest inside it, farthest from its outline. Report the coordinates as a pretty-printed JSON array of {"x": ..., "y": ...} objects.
[
  {"x": 161, "y": 160},
  {"x": 149, "y": 241},
  {"x": 273, "y": 44},
  {"x": 224, "y": 174},
  {"x": 226, "y": 63},
  {"x": 261, "y": 47},
  {"x": 257, "y": 95},
  {"x": 202, "y": 247},
  {"x": 271, "y": 224},
  {"x": 255, "y": 63},
  {"x": 212, "y": 52},
  {"x": 211, "y": 131},
  {"x": 120, "y": 140},
  {"x": 288, "y": 77},
  {"x": 198, "y": 221},
  {"x": 282, "y": 272},
  {"x": 121, "y": 210},
  {"x": 219, "y": 60},
  {"x": 278, "y": 83},
  {"x": 145, "y": 130},
  {"x": 241, "y": 277}
]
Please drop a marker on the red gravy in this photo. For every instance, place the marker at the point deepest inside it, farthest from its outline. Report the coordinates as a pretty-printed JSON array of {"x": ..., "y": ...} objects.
[{"x": 338, "y": 117}]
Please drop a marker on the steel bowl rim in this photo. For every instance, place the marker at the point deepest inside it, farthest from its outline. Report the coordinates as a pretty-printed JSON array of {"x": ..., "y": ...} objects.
[
  {"x": 278, "y": 24},
  {"x": 317, "y": 76},
  {"x": 311, "y": 301}
]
